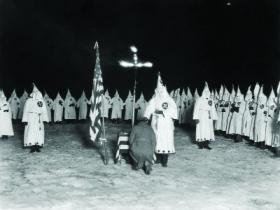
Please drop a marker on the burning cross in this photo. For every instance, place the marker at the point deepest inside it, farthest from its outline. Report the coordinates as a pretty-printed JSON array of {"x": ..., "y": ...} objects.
[{"x": 135, "y": 64}]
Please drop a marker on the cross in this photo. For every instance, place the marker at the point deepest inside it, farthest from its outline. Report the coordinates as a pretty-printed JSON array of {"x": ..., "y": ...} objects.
[{"x": 135, "y": 64}]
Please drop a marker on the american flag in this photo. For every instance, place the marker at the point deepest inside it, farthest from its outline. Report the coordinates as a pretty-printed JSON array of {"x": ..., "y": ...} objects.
[{"x": 96, "y": 99}]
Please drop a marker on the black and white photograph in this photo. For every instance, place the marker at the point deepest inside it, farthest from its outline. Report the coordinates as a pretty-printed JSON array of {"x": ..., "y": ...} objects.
[{"x": 139, "y": 105}]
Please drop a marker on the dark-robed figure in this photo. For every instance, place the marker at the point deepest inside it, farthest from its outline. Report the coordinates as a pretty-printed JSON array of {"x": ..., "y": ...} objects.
[{"x": 142, "y": 142}]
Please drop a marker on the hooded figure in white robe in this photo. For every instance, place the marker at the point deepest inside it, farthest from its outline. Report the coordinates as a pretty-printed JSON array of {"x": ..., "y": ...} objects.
[
  {"x": 204, "y": 115},
  {"x": 128, "y": 107},
  {"x": 212, "y": 96},
  {"x": 14, "y": 104},
  {"x": 117, "y": 107},
  {"x": 140, "y": 105},
  {"x": 70, "y": 107},
  {"x": 105, "y": 105},
  {"x": 177, "y": 99},
  {"x": 261, "y": 119},
  {"x": 276, "y": 133},
  {"x": 216, "y": 98},
  {"x": 49, "y": 104},
  {"x": 183, "y": 107},
  {"x": 22, "y": 100},
  {"x": 231, "y": 99},
  {"x": 82, "y": 104},
  {"x": 253, "y": 109},
  {"x": 225, "y": 109},
  {"x": 219, "y": 108},
  {"x": 236, "y": 121},
  {"x": 6, "y": 126},
  {"x": 189, "y": 108},
  {"x": 196, "y": 95},
  {"x": 34, "y": 115},
  {"x": 58, "y": 105},
  {"x": 163, "y": 111},
  {"x": 271, "y": 118},
  {"x": 247, "y": 116}
]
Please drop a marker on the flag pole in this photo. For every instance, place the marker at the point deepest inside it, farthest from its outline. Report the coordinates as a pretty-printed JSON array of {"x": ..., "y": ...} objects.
[
  {"x": 96, "y": 47},
  {"x": 134, "y": 98}
]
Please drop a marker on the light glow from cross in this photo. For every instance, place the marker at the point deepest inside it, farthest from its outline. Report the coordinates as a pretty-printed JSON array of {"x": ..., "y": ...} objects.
[{"x": 135, "y": 64}]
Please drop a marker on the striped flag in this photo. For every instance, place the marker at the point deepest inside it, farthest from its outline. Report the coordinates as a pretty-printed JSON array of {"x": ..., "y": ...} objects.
[{"x": 96, "y": 99}]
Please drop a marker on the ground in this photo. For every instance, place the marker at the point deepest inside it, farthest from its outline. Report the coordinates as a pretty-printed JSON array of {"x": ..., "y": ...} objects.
[{"x": 69, "y": 174}]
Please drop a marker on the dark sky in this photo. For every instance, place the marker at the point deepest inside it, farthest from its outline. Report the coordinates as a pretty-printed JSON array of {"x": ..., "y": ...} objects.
[{"x": 189, "y": 41}]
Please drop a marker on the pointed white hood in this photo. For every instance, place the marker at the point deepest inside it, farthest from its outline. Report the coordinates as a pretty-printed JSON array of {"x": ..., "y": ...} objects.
[
  {"x": 272, "y": 98},
  {"x": 2, "y": 96},
  {"x": 262, "y": 99},
  {"x": 226, "y": 95},
  {"x": 107, "y": 93},
  {"x": 249, "y": 94},
  {"x": 256, "y": 91},
  {"x": 189, "y": 93},
  {"x": 239, "y": 96},
  {"x": 196, "y": 94},
  {"x": 206, "y": 91},
  {"x": 221, "y": 92},
  {"x": 36, "y": 94},
  {"x": 160, "y": 90},
  {"x": 68, "y": 94},
  {"x": 83, "y": 95},
  {"x": 116, "y": 94}
]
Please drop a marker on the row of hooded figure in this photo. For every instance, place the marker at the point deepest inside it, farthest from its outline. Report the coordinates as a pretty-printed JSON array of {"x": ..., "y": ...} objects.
[
  {"x": 254, "y": 117},
  {"x": 61, "y": 109},
  {"x": 185, "y": 104}
]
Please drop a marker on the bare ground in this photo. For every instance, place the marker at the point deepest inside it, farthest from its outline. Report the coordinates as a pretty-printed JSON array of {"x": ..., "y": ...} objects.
[{"x": 69, "y": 174}]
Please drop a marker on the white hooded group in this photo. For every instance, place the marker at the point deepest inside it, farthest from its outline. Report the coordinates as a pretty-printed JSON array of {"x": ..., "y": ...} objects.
[{"x": 253, "y": 116}]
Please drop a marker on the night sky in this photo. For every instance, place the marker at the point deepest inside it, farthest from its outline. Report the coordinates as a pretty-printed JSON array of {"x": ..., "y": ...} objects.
[{"x": 51, "y": 43}]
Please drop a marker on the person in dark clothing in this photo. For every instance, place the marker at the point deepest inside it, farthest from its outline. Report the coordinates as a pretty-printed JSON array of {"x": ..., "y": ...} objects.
[{"x": 142, "y": 143}]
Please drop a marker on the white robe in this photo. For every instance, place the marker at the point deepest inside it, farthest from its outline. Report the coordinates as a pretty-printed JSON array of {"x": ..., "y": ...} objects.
[
  {"x": 6, "y": 126},
  {"x": 105, "y": 106},
  {"x": 205, "y": 112},
  {"x": 219, "y": 122},
  {"x": 235, "y": 126},
  {"x": 276, "y": 135},
  {"x": 252, "y": 127},
  {"x": 260, "y": 123},
  {"x": 163, "y": 125},
  {"x": 35, "y": 114},
  {"x": 14, "y": 104},
  {"x": 117, "y": 107},
  {"x": 189, "y": 111},
  {"x": 225, "y": 115},
  {"x": 49, "y": 104},
  {"x": 128, "y": 108},
  {"x": 141, "y": 107},
  {"x": 229, "y": 118},
  {"x": 182, "y": 111},
  {"x": 178, "y": 103},
  {"x": 70, "y": 108},
  {"x": 247, "y": 119},
  {"x": 58, "y": 109},
  {"x": 21, "y": 105},
  {"x": 271, "y": 125},
  {"x": 82, "y": 104}
]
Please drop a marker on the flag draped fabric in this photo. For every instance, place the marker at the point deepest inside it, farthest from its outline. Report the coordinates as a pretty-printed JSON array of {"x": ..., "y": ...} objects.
[{"x": 96, "y": 99}]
